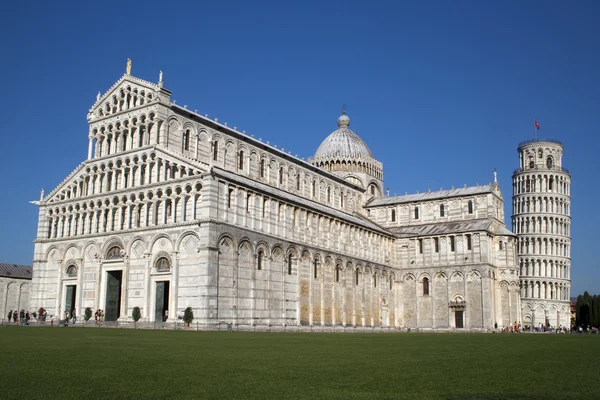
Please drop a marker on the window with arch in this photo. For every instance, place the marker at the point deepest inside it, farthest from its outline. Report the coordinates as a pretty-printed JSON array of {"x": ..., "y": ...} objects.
[
  {"x": 186, "y": 140},
  {"x": 337, "y": 274},
  {"x": 298, "y": 182},
  {"x": 550, "y": 184},
  {"x": 375, "y": 280},
  {"x": 469, "y": 245},
  {"x": 436, "y": 244},
  {"x": 229, "y": 197},
  {"x": 425, "y": 286},
  {"x": 373, "y": 190},
  {"x": 391, "y": 282},
  {"x": 163, "y": 264},
  {"x": 470, "y": 206},
  {"x": 356, "y": 276},
  {"x": 72, "y": 271},
  {"x": 315, "y": 269},
  {"x": 262, "y": 168},
  {"x": 442, "y": 211},
  {"x": 328, "y": 194},
  {"x": 500, "y": 245},
  {"x": 215, "y": 150},
  {"x": 531, "y": 163},
  {"x": 114, "y": 253},
  {"x": 416, "y": 212},
  {"x": 420, "y": 246},
  {"x": 393, "y": 215},
  {"x": 452, "y": 243},
  {"x": 289, "y": 264},
  {"x": 281, "y": 176},
  {"x": 241, "y": 160},
  {"x": 260, "y": 260},
  {"x": 549, "y": 162},
  {"x": 314, "y": 188}
]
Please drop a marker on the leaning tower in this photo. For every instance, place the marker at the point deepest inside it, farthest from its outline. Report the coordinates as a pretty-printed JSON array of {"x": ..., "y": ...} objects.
[{"x": 542, "y": 221}]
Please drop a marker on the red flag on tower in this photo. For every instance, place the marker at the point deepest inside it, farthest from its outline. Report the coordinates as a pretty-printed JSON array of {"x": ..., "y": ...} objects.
[{"x": 536, "y": 124}]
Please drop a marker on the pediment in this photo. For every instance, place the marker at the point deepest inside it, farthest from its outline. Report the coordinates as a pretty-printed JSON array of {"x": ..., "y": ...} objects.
[
  {"x": 64, "y": 189},
  {"x": 127, "y": 93}
]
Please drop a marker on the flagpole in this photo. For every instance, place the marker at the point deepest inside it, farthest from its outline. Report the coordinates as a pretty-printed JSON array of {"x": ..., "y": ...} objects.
[{"x": 534, "y": 130}]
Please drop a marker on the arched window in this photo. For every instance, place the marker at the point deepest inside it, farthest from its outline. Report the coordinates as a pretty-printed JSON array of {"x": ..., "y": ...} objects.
[
  {"x": 356, "y": 275},
  {"x": 314, "y": 188},
  {"x": 373, "y": 190},
  {"x": 425, "y": 286},
  {"x": 289, "y": 263},
  {"x": 393, "y": 215},
  {"x": 72, "y": 271},
  {"x": 540, "y": 153},
  {"x": 186, "y": 140},
  {"x": 329, "y": 194},
  {"x": 281, "y": 176},
  {"x": 442, "y": 213},
  {"x": 262, "y": 168},
  {"x": 375, "y": 280},
  {"x": 229, "y": 197},
  {"x": 114, "y": 253},
  {"x": 337, "y": 274},
  {"x": 298, "y": 182},
  {"x": 500, "y": 245},
  {"x": 470, "y": 206},
  {"x": 391, "y": 282},
  {"x": 163, "y": 265},
  {"x": 452, "y": 243},
  {"x": 416, "y": 212},
  {"x": 241, "y": 160},
  {"x": 315, "y": 270},
  {"x": 215, "y": 150},
  {"x": 550, "y": 184},
  {"x": 259, "y": 260},
  {"x": 549, "y": 162},
  {"x": 420, "y": 246}
]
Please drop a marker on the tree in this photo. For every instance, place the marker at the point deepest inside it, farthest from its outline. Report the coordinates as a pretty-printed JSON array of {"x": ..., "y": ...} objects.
[
  {"x": 188, "y": 315},
  {"x": 136, "y": 315},
  {"x": 88, "y": 314}
]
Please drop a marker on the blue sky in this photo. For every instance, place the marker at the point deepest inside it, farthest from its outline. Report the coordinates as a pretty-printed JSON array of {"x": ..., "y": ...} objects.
[{"x": 442, "y": 92}]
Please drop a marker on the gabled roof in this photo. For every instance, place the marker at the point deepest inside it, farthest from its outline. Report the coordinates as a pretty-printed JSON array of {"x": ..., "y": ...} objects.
[
  {"x": 441, "y": 194},
  {"x": 488, "y": 224},
  {"x": 15, "y": 271},
  {"x": 129, "y": 78}
]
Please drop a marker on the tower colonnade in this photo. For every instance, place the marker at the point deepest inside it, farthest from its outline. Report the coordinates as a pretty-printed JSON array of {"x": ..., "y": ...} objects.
[{"x": 541, "y": 218}]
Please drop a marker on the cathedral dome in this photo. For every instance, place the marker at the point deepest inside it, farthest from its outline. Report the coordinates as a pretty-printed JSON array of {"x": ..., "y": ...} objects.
[{"x": 343, "y": 143}]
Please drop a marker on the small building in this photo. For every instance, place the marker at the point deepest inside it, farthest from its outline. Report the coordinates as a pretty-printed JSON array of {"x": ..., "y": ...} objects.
[{"x": 15, "y": 286}]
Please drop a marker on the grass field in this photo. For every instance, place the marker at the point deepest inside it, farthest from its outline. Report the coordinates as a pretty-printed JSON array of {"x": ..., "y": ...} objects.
[{"x": 71, "y": 363}]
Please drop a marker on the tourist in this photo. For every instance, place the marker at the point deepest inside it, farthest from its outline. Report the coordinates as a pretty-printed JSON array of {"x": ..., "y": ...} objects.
[
  {"x": 15, "y": 316},
  {"x": 27, "y": 316},
  {"x": 96, "y": 317},
  {"x": 9, "y": 315},
  {"x": 66, "y": 317},
  {"x": 74, "y": 315}
]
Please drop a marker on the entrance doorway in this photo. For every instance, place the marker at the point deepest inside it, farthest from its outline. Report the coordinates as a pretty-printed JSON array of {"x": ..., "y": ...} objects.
[
  {"x": 112, "y": 310},
  {"x": 161, "y": 304},
  {"x": 458, "y": 319},
  {"x": 70, "y": 298}
]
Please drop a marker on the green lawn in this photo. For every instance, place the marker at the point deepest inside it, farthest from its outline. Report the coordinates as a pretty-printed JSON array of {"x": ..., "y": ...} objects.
[{"x": 65, "y": 363}]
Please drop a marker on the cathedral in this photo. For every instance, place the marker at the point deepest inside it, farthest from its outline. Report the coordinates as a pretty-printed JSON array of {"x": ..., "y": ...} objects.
[{"x": 172, "y": 209}]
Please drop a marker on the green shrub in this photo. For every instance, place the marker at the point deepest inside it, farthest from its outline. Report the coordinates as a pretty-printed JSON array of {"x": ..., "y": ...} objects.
[
  {"x": 88, "y": 314},
  {"x": 136, "y": 314},
  {"x": 188, "y": 315}
]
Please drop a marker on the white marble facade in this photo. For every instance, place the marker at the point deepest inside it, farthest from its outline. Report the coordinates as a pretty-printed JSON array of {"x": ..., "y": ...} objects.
[
  {"x": 172, "y": 209},
  {"x": 542, "y": 220}
]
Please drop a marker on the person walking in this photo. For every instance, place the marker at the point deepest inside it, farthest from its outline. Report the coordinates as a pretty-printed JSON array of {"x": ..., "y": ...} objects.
[
  {"x": 9, "y": 316},
  {"x": 15, "y": 316},
  {"x": 27, "y": 316},
  {"x": 74, "y": 315}
]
